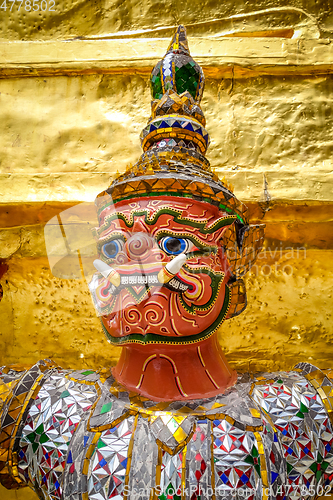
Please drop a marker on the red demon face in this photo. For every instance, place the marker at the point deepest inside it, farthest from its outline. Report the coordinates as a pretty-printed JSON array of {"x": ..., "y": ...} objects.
[{"x": 151, "y": 301}]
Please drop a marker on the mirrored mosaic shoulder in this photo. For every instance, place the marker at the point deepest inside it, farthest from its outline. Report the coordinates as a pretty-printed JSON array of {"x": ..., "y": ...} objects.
[{"x": 79, "y": 435}]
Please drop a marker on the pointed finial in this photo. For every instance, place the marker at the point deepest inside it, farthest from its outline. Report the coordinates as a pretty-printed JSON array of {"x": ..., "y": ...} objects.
[
  {"x": 179, "y": 43},
  {"x": 177, "y": 71}
]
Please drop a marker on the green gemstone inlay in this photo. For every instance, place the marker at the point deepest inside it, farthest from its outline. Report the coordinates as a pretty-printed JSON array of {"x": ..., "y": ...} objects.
[
  {"x": 254, "y": 452},
  {"x": 106, "y": 407},
  {"x": 64, "y": 394},
  {"x": 43, "y": 438},
  {"x": 40, "y": 429},
  {"x": 31, "y": 437},
  {"x": 289, "y": 467},
  {"x": 299, "y": 414},
  {"x": 304, "y": 409},
  {"x": 319, "y": 473},
  {"x": 170, "y": 493},
  {"x": 187, "y": 78},
  {"x": 156, "y": 86},
  {"x": 324, "y": 465},
  {"x": 88, "y": 372},
  {"x": 313, "y": 467},
  {"x": 251, "y": 460},
  {"x": 100, "y": 444}
]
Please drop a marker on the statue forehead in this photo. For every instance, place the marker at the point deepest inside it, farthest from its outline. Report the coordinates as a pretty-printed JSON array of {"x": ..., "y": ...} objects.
[
  {"x": 190, "y": 214},
  {"x": 155, "y": 205}
]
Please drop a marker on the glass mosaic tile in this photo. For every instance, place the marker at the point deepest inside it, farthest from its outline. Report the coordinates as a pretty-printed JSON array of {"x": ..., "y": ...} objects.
[{"x": 275, "y": 433}]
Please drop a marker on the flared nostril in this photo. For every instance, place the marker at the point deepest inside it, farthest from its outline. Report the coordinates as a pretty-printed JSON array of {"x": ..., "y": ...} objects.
[{"x": 139, "y": 245}]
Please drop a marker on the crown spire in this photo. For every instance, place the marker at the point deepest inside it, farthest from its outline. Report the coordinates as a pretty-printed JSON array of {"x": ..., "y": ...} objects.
[
  {"x": 179, "y": 43},
  {"x": 175, "y": 140},
  {"x": 177, "y": 71}
]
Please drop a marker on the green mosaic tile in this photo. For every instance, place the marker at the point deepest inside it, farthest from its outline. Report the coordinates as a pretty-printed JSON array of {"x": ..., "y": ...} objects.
[{"x": 106, "y": 407}]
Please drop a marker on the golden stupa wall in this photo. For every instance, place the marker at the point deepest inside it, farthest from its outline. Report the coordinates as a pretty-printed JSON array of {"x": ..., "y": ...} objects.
[{"x": 75, "y": 95}]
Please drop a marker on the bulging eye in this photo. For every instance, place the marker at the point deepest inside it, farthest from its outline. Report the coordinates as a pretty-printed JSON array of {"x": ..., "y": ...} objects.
[
  {"x": 112, "y": 248},
  {"x": 175, "y": 246}
]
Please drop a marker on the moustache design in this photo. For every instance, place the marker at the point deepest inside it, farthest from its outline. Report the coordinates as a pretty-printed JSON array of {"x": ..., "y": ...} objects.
[{"x": 137, "y": 279}]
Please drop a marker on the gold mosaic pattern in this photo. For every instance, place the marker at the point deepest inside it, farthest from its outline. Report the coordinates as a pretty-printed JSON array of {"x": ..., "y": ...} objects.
[
  {"x": 183, "y": 104},
  {"x": 18, "y": 398},
  {"x": 177, "y": 431},
  {"x": 210, "y": 409},
  {"x": 153, "y": 162},
  {"x": 238, "y": 300},
  {"x": 179, "y": 133},
  {"x": 168, "y": 186},
  {"x": 263, "y": 465},
  {"x": 242, "y": 247},
  {"x": 322, "y": 381},
  {"x": 6, "y": 388}
]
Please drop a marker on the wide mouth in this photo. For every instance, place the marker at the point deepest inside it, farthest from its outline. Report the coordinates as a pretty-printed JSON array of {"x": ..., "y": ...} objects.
[
  {"x": 175, "y": 284},
  {"x": 147, "y": 277}
]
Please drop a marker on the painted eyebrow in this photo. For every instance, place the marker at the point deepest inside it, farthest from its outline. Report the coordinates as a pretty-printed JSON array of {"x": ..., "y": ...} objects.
[
  {"x": 161, "y": 233},
  {"x": 203, "y": 226},
  {"x": 113, "y": 236}
]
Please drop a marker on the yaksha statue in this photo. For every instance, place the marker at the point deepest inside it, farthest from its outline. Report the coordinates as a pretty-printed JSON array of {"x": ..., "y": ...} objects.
[{"x": 171, "y": 420}]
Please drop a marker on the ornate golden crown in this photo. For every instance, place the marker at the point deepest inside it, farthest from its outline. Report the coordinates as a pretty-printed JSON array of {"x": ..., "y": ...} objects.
[{"x": 175, "y": 140}]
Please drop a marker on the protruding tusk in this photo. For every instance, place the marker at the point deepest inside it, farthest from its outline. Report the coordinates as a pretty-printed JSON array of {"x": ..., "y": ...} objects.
[
  {"x": 172, "y": 268},
  {"x": 164, "y": 276},
  {"x": 108, "y": 272}
]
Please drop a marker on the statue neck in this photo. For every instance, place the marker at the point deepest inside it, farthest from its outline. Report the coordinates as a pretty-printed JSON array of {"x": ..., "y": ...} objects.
[{"x": 173, "y": 372}]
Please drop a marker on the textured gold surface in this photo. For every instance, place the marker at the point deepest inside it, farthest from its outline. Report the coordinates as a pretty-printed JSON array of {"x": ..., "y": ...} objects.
[
  {"x": 63, "y": 137},
  {"x": 229, "y": 57},
  {"x": 86, "y": 18}
]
